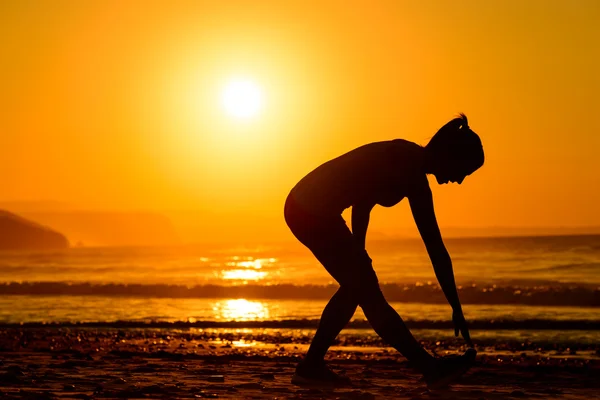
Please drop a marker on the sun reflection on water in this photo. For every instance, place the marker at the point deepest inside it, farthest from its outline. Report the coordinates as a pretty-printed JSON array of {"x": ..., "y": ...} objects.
[
  {"x": 243, "y": 343},
  {"x": 247, "y": 269},
  {"x": 240, "y": 310},
  {"x": 243, "y": 274}
]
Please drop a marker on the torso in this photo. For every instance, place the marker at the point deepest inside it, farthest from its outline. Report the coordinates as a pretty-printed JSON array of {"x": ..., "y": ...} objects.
[
  {"x": 377, "y": 173},
  {"x": 390, "y": 197}
]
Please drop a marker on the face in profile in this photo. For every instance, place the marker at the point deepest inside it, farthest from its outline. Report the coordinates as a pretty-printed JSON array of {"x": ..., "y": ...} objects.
[{"x": 454, "y": 172}]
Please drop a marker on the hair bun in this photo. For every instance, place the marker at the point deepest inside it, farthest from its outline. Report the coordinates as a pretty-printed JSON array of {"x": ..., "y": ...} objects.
[{"x": 464, "y": 120}]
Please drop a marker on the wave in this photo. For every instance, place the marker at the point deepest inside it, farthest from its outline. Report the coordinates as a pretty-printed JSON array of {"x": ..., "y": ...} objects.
[
  {"x": 544, "y": 295},
  {"x": 581, "y": 267},
  {"x": 528, "y": 324}
]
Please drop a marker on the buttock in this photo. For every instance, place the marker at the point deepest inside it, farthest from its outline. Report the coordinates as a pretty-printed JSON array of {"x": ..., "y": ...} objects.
[{"x": 333, "y": 244}]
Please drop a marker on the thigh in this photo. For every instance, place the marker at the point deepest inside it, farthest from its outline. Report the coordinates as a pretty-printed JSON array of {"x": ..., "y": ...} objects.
[
  {"x": 344, "y": 259},
  {"x": 336, "y": 248},
  {"x": 334, "y": 245}
]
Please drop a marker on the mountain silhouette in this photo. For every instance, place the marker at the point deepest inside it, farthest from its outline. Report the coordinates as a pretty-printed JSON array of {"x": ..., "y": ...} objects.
[{"x": 18, "y": 233}]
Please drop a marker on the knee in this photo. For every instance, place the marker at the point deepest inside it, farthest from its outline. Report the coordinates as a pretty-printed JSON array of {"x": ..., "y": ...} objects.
[
  {"x": 367, "y": 294},
  {"x": 371, "y": 297},
  {"x": 348, "y": 294}
]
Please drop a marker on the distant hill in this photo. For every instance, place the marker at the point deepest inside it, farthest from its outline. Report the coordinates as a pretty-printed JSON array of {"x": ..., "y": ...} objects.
[
  {"x": 108, "y": 228},
  {"x": 18, "y": 233},
  {"x": 22, "y": 207}
]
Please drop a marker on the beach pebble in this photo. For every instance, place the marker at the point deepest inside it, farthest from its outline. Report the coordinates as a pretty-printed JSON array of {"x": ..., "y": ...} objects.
[
  {"x": 146, "y": 368},
  {"x": 206, "y": 395},
  {"x": 68, "y": 387},
  {"x": 69, "y": 364},
  {"x": 517, "y": 393},
  {"x": 357, "y": 394},
  {"x": 552, "y": 391},
  {"x": 312, "y": 391},
  {"x": 216, "y": 378},
  {"x": 40, "y": 396},
  {"x": 10, "y": 378},
  {"x": 153, "y": 389},
  {"x": 249, "y": 385},
  {"x": 207, "y": 371},
  {"x": 279, "y": 390},
  {"x": 15, "y": 370}
]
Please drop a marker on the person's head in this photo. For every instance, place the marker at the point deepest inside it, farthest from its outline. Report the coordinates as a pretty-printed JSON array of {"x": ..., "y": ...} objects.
[{"x": 455, "y": 152}]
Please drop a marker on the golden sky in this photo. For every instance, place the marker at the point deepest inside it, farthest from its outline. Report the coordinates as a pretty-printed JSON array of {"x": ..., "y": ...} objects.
[{"x": 117, "y": 104}]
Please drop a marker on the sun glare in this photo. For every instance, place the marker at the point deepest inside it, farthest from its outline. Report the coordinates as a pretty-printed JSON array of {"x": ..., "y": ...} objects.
[
  {"x": 240, "y": 310},
  {"x": 242, "y": 98}
]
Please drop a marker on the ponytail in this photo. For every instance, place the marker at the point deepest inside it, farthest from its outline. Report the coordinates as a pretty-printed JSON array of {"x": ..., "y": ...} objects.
[{"x": 455, "y": 140}]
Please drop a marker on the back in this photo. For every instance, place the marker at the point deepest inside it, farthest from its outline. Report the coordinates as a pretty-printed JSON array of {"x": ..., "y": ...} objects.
[{"x": 376, "y": 172}]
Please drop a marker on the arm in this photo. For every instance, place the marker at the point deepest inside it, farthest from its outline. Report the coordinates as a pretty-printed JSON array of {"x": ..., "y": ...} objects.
[
  {"x": 360, "y": 222},
  {"x": 421, "y": 204}
]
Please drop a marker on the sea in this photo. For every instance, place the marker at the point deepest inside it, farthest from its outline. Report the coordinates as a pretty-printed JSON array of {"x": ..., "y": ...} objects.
[{"x": 511, "y": 286}]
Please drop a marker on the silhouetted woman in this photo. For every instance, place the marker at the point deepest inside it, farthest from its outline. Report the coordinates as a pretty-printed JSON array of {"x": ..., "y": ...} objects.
[{"x": 381, "y": 173}]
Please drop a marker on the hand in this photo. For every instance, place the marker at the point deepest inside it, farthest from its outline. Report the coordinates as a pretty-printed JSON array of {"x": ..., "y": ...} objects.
[{"x": 461, "y": 325}]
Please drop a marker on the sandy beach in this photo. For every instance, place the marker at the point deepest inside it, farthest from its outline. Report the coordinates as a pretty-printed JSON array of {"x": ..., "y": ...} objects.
[{"x": 101, "y": 363}]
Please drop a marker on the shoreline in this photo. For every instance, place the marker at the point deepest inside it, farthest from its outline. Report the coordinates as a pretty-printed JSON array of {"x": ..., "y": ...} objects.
[
  {"x": 85, "y": 363},
  {"x": 532, "y": 324}
]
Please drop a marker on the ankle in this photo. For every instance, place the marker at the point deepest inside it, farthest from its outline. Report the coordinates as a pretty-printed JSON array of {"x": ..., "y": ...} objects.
[{"x": 312, "y": 361}]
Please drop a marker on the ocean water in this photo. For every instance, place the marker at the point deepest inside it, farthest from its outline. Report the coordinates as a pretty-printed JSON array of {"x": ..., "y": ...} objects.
[{"x": 538, "y": 283}]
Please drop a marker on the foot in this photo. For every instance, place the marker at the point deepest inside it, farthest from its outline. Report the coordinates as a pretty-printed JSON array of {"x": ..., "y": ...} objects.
[
  {"x": 446, "y": 370},
  {"x": 318, "y": 374}
]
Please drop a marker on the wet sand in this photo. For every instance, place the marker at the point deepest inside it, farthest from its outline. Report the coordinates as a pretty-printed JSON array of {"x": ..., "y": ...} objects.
[{"x": 87, "y": 363}]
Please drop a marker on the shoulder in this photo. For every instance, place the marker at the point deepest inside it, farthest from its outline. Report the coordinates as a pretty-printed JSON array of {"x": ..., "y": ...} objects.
[
  {"x": 405, "y": 151},
  {"x": 407, "y": 158}
]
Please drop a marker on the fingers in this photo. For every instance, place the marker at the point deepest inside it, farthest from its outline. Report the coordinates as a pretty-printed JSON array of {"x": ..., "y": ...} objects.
[
  {"x": 465, "y": 333},
  {"x": 460, "y": 325},
  {"x": 469, "y": 341},
  {"x": 467, "y": 336}
]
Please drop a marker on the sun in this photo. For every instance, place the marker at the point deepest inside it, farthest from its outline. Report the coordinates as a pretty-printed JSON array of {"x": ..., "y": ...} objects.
[{"x": 242, "y": 98}]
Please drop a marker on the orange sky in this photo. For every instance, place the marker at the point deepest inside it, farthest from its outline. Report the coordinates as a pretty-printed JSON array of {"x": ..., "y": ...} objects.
[{"x": 116, "y": 105}]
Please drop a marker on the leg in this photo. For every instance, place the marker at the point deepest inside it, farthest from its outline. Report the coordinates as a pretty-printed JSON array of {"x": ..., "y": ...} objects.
[
  {"x": 352, "y": 267},
  {"x": 336, "y": 315},
  {"x": 335, "y": 247},
  {"x": 332, "y": 243},
  {"x": 390, "y": 327}
]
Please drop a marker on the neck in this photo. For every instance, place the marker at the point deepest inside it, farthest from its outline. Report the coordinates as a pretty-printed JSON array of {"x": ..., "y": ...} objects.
[{"x": 428, "y": 161}]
